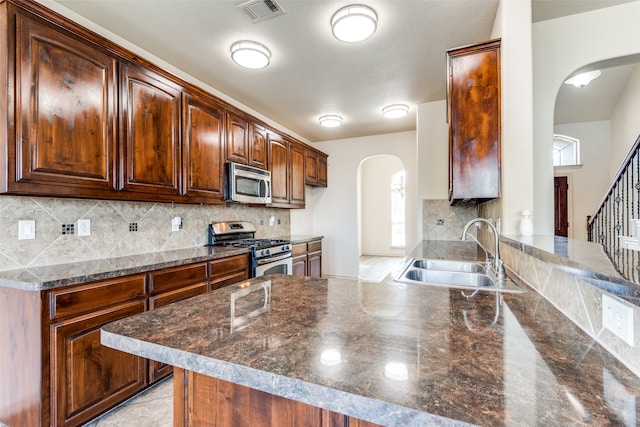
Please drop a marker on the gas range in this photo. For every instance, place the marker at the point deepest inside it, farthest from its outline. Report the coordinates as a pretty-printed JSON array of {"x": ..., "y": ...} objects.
[{"x": 267, "y": 255}]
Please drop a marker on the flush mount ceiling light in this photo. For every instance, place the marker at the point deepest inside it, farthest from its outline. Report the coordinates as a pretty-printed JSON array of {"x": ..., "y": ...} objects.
[
  {"x": 250, "y": 54},
  {"x": 395, "y": 111},
  {"x": 330, "y": 120},
  {"x": 581, "y": 80},
  {"x": 354, "y": 23}
]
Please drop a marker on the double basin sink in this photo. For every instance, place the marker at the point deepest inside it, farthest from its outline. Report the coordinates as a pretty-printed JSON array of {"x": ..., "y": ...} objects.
[{"x": 455, "y": 274}]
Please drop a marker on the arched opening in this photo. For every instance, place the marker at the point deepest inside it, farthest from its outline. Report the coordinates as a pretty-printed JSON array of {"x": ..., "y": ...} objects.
[{"x": 381, "y": 216}]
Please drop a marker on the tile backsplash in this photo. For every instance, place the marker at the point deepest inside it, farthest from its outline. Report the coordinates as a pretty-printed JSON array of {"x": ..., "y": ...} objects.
[
  {"x": 441, "y": 221},
  {"x": 118, "y": 228}
]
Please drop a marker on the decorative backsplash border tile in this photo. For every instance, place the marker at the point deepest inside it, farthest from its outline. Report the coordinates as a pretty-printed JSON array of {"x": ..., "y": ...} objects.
[{"x": 118, "y": 228}]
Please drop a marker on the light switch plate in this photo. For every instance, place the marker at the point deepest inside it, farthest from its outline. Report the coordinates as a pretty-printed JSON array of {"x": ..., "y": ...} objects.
[
  {"x": 26, "y": 230},
  {"x": 618, "y": 318},
  {"x": 84, "y": 227}
]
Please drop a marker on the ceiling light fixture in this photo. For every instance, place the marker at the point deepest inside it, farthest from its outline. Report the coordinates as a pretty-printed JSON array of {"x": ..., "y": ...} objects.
[
  {"x": 583, "y": 79},
  {"x": 354, "y": 23},
  {"x": 330, "y": 120},
  {"x": 395, "y": 111},
  {"x": 250, "y": 54}
]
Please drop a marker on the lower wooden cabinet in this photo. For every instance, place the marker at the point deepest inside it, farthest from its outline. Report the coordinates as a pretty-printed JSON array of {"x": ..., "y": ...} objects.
[
  {"x": 88, "y": 378},
  {"x": 307, "y": 259},
  {"x": 55, "y": 371}
]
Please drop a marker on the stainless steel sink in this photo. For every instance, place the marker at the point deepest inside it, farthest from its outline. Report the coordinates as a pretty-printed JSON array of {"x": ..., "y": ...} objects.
[
  {"x": 454, "y": 274},
  {"x": 447, "y": 265}
]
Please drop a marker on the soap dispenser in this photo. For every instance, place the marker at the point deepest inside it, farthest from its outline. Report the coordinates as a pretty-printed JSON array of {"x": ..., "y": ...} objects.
[{"x": 526, "y": 224}]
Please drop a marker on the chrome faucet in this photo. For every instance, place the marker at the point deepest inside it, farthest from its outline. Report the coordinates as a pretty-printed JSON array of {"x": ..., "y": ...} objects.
[{"x": 497, "y": 267}]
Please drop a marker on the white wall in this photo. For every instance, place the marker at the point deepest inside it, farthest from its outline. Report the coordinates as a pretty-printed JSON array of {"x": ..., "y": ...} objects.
[
  {"x": 335, "y": 209},
  {"x": 513, "y": 25},
  {"x": 625, "y": 122},
  {"x": 433, "y": 151},
  {"x": 589, "y": 181},
  {"x": 561, "y": 46},
  {"x": 375, "y": 205}
]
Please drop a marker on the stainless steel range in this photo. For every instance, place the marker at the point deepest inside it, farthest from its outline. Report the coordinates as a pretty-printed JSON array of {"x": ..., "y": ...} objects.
[{"x": 268, "y": 256}]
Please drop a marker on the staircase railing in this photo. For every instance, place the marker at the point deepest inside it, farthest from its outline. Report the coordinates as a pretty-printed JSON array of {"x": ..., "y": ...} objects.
[{"x": 613, "y": 216}]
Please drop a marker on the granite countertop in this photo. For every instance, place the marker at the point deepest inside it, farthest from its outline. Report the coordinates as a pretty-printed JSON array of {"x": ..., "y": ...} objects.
[
  {"x": 394, "y": 354},
  {"x": 60, "y": 275},
  {"x": 295, "y": 238}
]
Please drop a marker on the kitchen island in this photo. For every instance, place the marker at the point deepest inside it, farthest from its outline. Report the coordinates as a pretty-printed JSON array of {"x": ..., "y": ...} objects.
[{"x": 385, "y": 353}]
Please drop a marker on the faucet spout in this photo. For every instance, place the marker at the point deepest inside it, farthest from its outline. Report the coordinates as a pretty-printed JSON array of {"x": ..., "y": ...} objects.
[{"x": 497, "y": 267}]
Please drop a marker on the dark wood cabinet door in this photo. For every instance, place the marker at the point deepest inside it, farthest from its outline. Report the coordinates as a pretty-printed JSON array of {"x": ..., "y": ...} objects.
[
  {"x": 474, "y": 122},
  {"x": 227, "y": 271},
  {"x": 322, "y": 170},
  {"x": 258, "y": 146},
  {"x": 203, "y": 147},
  {"x": 311, "y": 167},
  {"x": 88, "y": 378},
  {"x": 299, "y": 265},
  {"x": 279, "y": 165},
  {"x": 150, "y": 137},
  {"x": 66, "y": 114},
  {"x": 315, "y": 264},
  {"x": 237, "y": 138},
  {"x": 297, "y": 160}
]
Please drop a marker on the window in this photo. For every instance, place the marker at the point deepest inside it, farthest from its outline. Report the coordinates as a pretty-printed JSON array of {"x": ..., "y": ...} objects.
[
  {"x": 397, "y": 210},
  {"x": 566, "y": 151}
]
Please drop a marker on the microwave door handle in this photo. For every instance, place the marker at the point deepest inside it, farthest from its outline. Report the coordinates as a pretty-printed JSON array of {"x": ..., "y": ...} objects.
[{"x": 264, "y": 189}]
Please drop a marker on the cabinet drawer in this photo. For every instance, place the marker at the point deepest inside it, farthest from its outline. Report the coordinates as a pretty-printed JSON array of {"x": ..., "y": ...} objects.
[
  {"x": 299, "y": 249},
  {"x": 228, "y": 279},
  {"x": 88, "y": 298},
  {"x": 222, "y": 267},
  {"x": 175, "y": 277},
  {"x": 315, "y": 246},
  {"x": 177, "y": 295}
]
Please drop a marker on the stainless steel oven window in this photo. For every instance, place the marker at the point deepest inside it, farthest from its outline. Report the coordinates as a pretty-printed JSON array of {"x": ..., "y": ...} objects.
[{"x": 283, "y": 266}]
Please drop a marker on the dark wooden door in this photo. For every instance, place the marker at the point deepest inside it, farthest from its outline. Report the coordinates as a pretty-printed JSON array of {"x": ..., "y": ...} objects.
[
  {"x": 258, "y": 147},
  {"x": 151, "y": 132},
  {"x": 296, "y": 157},
  {"x": 279, "y": 157},
  {"x": 311, "y": 167},
  {"x": 66, "y": 115},
  {"x": 237, "y": 138},
  {"x": 203, "y": 147},
  {"x": 89, "y": 377},
  {"x": 561, "y": 221}
]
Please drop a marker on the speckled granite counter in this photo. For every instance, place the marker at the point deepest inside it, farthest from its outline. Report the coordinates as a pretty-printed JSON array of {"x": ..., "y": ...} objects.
[
  {"x": 393, "y": 354},
  {"x": 56, "y": 276},
  {"x": 294, "y": 239}
]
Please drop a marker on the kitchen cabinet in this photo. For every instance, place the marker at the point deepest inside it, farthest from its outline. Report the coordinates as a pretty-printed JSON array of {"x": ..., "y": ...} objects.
[
  {"x": 150, "y": 146},
  {"x": 64, "y": 138},
  {"x": 203, "y": 147},
  {"x": 226, "y": 271},
  {"x": 237, "y": 146},
  {"x": 86, "y": 377},
  {"x": 287, "y": 160},
  {"x": 474, "y": 122},
  {"x": 315, "y": 168},
  {"x": 258, "y": 146},
  {"x": 170, "y": 285},
  {"x": 307, "y": 259}
]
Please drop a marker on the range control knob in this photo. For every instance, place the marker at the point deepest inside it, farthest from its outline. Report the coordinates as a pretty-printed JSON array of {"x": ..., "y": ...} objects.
[
  {"x": 265, "y": 252},
  {"x": 286, "y": 248}
]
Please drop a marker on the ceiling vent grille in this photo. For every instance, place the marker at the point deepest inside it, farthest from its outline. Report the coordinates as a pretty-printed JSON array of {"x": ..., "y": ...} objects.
[{"x": 261, "y": 10}]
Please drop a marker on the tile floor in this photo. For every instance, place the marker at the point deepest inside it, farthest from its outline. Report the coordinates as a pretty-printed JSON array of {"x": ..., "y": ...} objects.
[{"x": 154, "y": 407}]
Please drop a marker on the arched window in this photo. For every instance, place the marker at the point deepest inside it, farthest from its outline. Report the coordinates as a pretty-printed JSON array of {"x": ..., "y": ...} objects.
[
  {"x": 566, "y": 150},
  {"x": 397, "y": 210}
]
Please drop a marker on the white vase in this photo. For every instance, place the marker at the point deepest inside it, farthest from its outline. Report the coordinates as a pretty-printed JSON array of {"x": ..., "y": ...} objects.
[{"x": 526, "y": 224}]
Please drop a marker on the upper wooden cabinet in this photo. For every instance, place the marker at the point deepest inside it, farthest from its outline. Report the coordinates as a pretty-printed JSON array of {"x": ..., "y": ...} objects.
[
  {"x": 64, "y": 139},
  {"x": 203, "y": 147},
  {"x": 315, "y": 168},
  {"x": 474, "y": 122},
  {"x": 279, "y": 159},
  {"x": 258, "y": 146},
  {"x": 150, "y": 137},
  {"x": 86, "y": 118},
  {"x": 237, "y": 138}
]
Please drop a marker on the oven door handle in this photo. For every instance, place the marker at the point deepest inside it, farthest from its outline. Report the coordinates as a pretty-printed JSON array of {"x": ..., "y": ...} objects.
[{"x": 263, "y": 261}]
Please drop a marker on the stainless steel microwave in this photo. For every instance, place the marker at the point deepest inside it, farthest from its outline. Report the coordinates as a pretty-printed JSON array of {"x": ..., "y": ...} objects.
[{"x": 246, "y": 184}]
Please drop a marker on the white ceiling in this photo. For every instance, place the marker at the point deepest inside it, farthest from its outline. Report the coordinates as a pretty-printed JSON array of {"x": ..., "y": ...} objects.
[{"x": 311, "y": 73}]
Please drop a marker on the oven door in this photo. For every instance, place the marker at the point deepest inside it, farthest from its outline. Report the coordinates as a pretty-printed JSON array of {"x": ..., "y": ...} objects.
[{"x": 282, "y": 264}]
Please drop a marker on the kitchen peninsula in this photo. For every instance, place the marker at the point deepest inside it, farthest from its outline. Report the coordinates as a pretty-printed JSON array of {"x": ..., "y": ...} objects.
[{"x": 385, "y": 353}]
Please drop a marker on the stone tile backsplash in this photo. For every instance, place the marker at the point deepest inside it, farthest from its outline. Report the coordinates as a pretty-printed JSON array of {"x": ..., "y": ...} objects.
[
  {"x": 113, "y": 228},
  {"x": 577, "y": 299},
  {"x": 441, "y": 221}
]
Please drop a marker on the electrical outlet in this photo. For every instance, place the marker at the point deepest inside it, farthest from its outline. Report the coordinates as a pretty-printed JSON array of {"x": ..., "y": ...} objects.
[
  {"x": 26, "y": 230},
  {"x": 176, "y": 222},
  {"x": 618, "y": 318},
  {"x": 84, "y": 227}
]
